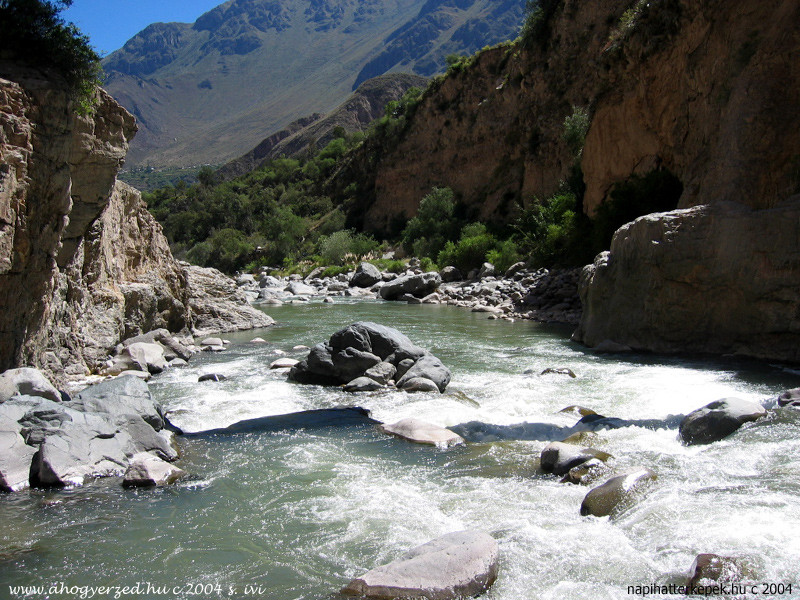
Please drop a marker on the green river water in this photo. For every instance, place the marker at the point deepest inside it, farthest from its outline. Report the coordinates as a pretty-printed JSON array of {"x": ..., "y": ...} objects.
[{"x": 296, "y": 514}]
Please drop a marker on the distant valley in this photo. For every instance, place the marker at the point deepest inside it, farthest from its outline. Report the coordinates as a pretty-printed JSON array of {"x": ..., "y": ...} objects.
[{"x": 208, "y": 92}]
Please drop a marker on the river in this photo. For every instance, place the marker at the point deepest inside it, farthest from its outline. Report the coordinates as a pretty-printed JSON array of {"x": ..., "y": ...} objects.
[{"x": 299, "y": 513}]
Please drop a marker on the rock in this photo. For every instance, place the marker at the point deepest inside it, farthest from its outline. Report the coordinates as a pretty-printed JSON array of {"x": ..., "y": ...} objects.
[
  {"x": 587, "y": 473},
  {"x": 366, "y": 275},
  {"x": 709, "y": 277},
  {"x": 487, "y": 270},
  {"x": 245, "y": 280},
  {"x": 300, "y": 347},
  {"x": 428, "y": 367},
  {"x": 146, "y": 470},
  {"x": 789, "y": 397},
  {"x": 148, "y": 357},
  {"x": 618, "y": 493},
  {"x": 26, "y": 381},
  {"x": 433, "y": 298},
  {"x": 420, "y": 432},
  {"x": 457, "y": 565},
  {"x": 416, "y": 285},
  {"x": 558, "y": 371},
  {"x": 363, "y": 384},
  {"x": 172, "y": 346},
  {"x": 403, "y": 366},
  {"x": 514, "y": 269},
  {"x": 258, "y": 340},
  {"x": 450, "y": 274},
  {"x": 558, "y": 458},
  {"x": 283, "y": 363},
  {"x": 418, "y": 384},
  {"x": 578, "y": 410},
  {"x": 383, "y": 372},
  {"x": 352, "y": 351},
  {"x": 211, "y": 377},
  {"x": 709, "y": 570},
  {"x": 15, "y": 458},
  {"x": 143, "y": 375},
  {"x": 121, "y": 396},
  {"x": 297, "y": 288},
  {"x": 718, "y": 420},
  {"x": 178, "y": 362},
  {"x": 582, "y": 438},
  {"x": 212, "y": 341}
]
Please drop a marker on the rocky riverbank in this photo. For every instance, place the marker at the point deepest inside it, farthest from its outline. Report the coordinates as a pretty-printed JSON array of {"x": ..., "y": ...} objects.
[{"x": 546, "y": 295}]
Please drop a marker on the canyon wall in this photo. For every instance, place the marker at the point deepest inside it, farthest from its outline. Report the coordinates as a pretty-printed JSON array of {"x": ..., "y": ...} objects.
[{"x": 82, "y": 263}]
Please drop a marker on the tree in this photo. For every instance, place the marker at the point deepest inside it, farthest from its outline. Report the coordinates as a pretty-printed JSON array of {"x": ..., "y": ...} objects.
[{"x": 33, "y": 33}]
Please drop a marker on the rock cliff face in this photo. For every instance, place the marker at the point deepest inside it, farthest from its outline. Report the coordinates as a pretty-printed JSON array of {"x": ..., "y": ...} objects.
[
  {"x": 703, "y": 88},
  {"x": 82, "y": 262}
]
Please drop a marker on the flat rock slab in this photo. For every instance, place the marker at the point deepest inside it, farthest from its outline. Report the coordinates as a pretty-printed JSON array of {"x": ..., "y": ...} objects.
[
  {"x": 718, "y": 420},
  {"x": 616, "y": 494},
  {"x": 420, "y": 432},
  {"x": 456, "y": 565}
]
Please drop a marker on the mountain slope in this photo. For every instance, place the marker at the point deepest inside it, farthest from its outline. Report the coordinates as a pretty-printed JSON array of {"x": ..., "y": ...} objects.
[
  {"x": 365, "y": 105},
  {"x": 207, "y": 92}
]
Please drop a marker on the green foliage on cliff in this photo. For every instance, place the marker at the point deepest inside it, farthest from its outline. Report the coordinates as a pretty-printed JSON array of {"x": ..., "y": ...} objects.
[
  {"x": 538, "y": 19},
  {"x": 33, "y": 33}
]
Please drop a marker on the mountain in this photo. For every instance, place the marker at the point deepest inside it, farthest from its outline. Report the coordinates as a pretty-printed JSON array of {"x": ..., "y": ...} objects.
[
  {"x": 209, "y": 91},
  {"x": 365, "y": 105}
]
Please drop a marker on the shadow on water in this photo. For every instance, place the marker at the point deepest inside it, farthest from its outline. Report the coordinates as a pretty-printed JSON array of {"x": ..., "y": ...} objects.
[{"x": 478, "y": 432}]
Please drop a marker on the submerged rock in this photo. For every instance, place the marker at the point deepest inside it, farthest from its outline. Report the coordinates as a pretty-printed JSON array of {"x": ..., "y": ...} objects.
[
  {"x": 421, "y": 432},
  {"x": 618, "y": 493},
  {"x": 558, "y": 371},
  {"x": 587, "y": 473},
  {"x": 456, "y": 565},
  {"x": 211, "y": 377},
  {"x": 712, "y": 569},
  {"x": 718, "y": 420},
  {"x": 558, "y": 458}
]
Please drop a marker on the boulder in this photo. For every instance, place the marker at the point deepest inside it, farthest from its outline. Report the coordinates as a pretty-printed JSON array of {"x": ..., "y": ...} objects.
[
  {"x": 420, "y": 432},
  {"x": 709, "y": 570},
  {"x": 146, "y": 470},
  {"x": 245, "y": 280},
  {"x": 148, "y": 357},
  {"x": 283, "y": 363},
  {"x": 366, "y": 275},
  {"x": 298, "y": 288},
  {"x": 559, "y": 371},
  {"x": 120, "y": 396},
  {"x": 587, "y": 473},
  {"x": 143, "y": 375},
  {"x": 450, "y": 274},
  {"x": 433, "y": 298},
  {"x": 383, "y": 372},
  {"x": 212, "y": 341},
  {"x": 558, "y": 458},
  {"x": 514, "y": 269},
  {"x": 487, "y": 270},
  {"x": 258, "y": 340},
  {"x": 354, "y": 350},
  {"x": 418, "y": 285},
  {"x": 789, "y": 398},
  {"x": 618, "y": 493},
  {"x": 428, "y": 367},
  {"x": 363, "y": 384},
  {"x": 15, "y": 458},
  {"x": 211, "y": 377},
  {"x": 26, "y": 382},
  {"x": 171, "y": 345},
  {"x": 718, "y": 420},
  {"x": 418, "y": 384},
  {"x": 456, "y": 565}
]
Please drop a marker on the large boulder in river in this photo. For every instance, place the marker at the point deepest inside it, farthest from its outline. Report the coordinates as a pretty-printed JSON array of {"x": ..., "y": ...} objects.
[
  {"x": 358, "y": 349},
  {"x": 26, "y": 382},
  {"x": 120, "y": 396},
  {"x": 618, "y": 493},
  {"x": 456, "y": 565},
  {"x": 15, "y": 458},
  {"x": 718, "y": 420},
  {"x": 366, "y": 275},
  {"x": 418, "y": 286},
  {"x": 147, "y": 470}
]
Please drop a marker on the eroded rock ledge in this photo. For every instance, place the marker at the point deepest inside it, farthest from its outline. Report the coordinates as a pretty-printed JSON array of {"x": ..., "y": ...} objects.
[{"x": 83, "y": 265}]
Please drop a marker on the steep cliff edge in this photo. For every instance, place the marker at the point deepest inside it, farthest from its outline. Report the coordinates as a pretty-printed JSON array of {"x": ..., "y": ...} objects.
[{"x": 82, "y": 262}]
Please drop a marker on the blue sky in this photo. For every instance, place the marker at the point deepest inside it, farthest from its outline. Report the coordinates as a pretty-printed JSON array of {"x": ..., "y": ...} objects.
[{"x": 111, "y": 23}]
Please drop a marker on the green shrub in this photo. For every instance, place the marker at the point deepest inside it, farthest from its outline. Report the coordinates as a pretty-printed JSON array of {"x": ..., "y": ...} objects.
[
  {"x": 335, "y": 247},
  {"x": 576, "y": 126},
  {"x": 435, "y": 224},
  {"x": 470, "y": 250},
  {"x": 505, "y": 255},
  {"x": 427, "y": 265},
  {"x": 32, "y": 32},
  {"x": 547, "y": 230},
  {"x": 334, "y": 271},
  {"x": 538, "y": 22}
]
